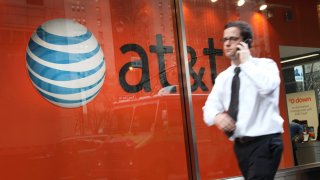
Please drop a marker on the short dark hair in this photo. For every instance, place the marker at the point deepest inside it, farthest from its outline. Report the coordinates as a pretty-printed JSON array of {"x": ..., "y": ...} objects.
[
  {"x": 245, "y": 30},
  {"x": 296, "y": 121}
]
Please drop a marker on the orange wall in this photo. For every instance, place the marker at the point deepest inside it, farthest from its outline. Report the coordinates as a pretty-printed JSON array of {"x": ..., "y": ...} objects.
[
  {"x": 39, "y": 140},
  {"x": 117, "y": 135}
]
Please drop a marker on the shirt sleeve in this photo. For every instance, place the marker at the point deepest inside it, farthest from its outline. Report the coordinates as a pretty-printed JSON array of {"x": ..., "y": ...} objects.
[
  {"x": 213, "y": 105},
  {"x": 300, "y": 129},
  {"x": 263, "y": 73}
]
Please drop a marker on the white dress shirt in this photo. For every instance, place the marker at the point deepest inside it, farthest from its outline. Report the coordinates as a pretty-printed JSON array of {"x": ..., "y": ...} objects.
[{"x": 258, "y": 98}]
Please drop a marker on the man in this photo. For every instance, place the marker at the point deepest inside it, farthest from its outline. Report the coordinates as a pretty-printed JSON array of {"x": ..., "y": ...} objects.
[
  {"x": 318, "y": 131},
  {"x": 296, "y": 133},
  {"x": 252, "y": 121}
]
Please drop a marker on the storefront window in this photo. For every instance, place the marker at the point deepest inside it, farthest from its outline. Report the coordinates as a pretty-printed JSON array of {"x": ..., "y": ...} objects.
[
  {"x": 95, "y": 89},
  {"x": 301, "y": 70},
  {"x": 91, "y": 90},
  {"x": 283, "y": 23},
  {"x": 300, "y": 67}
]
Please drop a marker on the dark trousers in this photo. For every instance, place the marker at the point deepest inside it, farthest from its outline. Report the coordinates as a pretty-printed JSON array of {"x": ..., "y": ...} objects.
[
  {"x": 294, "y": 148},
  {"x": 259, "y": 157}
]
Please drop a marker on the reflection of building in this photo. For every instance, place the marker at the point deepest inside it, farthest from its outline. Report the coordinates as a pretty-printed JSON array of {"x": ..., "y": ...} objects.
[
  {"x": 88, "y": 13},
  {"x": 298, "y": 73}
]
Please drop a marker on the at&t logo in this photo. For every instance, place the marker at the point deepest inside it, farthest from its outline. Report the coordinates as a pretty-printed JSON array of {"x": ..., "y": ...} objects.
[{"x": 65, "y": 63}]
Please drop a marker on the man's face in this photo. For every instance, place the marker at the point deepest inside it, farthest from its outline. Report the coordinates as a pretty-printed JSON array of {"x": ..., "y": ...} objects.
[{"x": 231, "y": 38}]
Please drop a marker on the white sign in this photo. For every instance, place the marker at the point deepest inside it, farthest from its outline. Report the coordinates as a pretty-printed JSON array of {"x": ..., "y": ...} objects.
[
  {"x": 303, "y": 106},
  {"x": 298, "y": 73}
]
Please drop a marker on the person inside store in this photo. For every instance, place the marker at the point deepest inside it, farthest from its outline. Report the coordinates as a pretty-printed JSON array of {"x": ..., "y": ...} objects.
[
  {"x": 296, "y": 134},
  {"x": 318, "y": 130},
  {"x": 244, "y": 105}
]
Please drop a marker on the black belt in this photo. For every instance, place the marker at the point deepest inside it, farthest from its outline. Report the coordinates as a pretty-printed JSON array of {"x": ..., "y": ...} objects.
[{"x": 246, "y": 139}]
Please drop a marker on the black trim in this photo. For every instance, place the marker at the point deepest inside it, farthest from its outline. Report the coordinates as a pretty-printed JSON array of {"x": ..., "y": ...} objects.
[{"x": 186, "y": 95}]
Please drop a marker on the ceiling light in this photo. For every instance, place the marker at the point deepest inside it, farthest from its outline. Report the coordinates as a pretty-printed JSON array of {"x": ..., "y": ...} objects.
[
  {"x": 263, "y": 7},
  {"x": 241, "y": 2},
  {"x": 214, "y": 1},
  {"x": 298, "y": 58}
]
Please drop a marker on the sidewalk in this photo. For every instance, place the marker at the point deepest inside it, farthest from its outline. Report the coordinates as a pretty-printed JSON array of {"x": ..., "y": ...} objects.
[{"x": 303, "y": 172}]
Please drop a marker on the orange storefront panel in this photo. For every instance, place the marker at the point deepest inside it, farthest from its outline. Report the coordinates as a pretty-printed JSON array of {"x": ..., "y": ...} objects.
[{"x": 91, "y": 90}]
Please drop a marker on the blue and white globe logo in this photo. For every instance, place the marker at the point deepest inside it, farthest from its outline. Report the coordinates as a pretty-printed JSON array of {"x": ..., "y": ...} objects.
[{"x": 65, "y": 63}]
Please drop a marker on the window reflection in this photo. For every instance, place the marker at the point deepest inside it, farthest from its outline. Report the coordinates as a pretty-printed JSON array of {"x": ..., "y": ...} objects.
[{"x": 302, "y": 84}]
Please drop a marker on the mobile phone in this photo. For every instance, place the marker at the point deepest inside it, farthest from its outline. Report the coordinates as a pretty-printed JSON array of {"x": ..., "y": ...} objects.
[{"x": 247, "y": 42}]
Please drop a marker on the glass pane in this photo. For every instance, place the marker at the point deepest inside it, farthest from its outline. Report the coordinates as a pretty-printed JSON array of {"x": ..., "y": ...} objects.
[
  {"x": 90, "y": 90},
  {"x": 302, "y": 77},
  {"x": 281, "y": 24},
  {"x": 300, "y": 67}
]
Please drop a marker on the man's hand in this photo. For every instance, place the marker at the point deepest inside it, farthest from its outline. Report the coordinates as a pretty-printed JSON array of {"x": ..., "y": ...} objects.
[
  {"x": 243, "y": 53},
  {"x": 225, "y": 122}
]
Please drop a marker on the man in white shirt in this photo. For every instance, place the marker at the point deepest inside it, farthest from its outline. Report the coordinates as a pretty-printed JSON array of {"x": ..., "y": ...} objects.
[{"x": 253, "y": 122}]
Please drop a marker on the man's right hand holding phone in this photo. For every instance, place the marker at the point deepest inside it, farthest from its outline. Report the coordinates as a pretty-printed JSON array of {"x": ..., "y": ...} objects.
[{"x": 243, "y": 52}]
